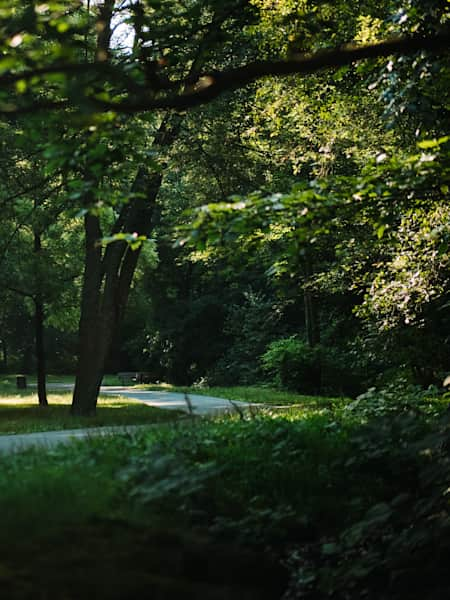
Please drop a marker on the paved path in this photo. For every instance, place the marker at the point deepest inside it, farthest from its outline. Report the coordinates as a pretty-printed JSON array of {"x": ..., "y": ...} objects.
[
  {"x": 48, "y": 439},
  {"x": 193, "y": 404},
  {"x": 200, "y": 405}
]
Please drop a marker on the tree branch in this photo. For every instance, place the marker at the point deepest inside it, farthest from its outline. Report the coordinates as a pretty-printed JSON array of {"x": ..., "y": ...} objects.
[
  {"x": 210, "y": 85},
  {"x": 24, "y": 293}
]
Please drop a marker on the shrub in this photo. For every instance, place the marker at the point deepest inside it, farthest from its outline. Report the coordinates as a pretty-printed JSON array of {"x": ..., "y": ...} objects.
[
  {"x": 294, "y": 364},
  {"x": 399, "y": 546}
]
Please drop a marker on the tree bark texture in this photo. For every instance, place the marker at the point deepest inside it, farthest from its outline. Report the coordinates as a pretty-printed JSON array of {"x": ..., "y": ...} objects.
[
  {"x": 107, "y": 280},
  {"x": 310, "y": 306},
  {"x": 39, "y": 316}
]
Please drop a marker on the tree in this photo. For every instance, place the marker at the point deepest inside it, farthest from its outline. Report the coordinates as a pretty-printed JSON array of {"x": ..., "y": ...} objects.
[
  {"x": 35, "y": 262},
  {"x": 108, "y": 275},
  {"x": 184, "y": 55}
]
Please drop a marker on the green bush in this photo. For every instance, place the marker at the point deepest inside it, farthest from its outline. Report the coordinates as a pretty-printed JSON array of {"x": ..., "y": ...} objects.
[
  {"x": 398, "y": 548},
  {"x": 294, "y": 364},
  {"x": 258, "y": 481}
]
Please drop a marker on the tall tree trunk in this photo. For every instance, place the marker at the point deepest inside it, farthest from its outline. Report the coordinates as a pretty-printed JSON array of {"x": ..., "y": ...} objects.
[
  {"x": 92, "y": 343},
  {"x": 88, "y": 371},
  {"x": 4, "y": 355},
  {"x": 39, "y": 316},
  {"x": 107, "y": 281},
  {"x": 312, "y": 325},
  {"x": 40, "y": 351},
  {"x": 108, "y": 275},
  {"x": 310, "y": 306}
]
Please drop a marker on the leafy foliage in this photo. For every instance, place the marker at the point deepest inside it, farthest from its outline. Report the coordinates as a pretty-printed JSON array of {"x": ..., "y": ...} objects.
[
  {"x": 294, "y": 364},
  {"x": 383, "y": 462},
  {"x": 398, "y": 547}
]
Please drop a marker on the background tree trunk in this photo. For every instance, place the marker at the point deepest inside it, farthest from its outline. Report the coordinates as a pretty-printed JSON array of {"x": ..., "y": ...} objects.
[
  {"x": 312, "y": 325},
  {"x": 310, "y": 305},
  {"x": 39, "y": 316},
  {"x": 40, "y": 351},
  {"x": 4, "y": 347},
  {"x": 106, "y": 286}
]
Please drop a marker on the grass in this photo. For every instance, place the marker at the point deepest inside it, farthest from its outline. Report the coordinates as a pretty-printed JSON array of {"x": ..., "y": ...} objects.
[
  {"x": 20, "y": 412},
  {"x": 73, "y": 508},
  {"x": 69, "y": 527},
  {"x": 108, "y": 379},
  {"x": 254, "y": 395},
  {"x": 153, "y": 513}
]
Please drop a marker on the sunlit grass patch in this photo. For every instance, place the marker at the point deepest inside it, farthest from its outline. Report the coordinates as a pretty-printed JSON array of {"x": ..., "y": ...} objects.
[
  {"x": 253, "y": 395},
  {"x": 20, "y": 413}
]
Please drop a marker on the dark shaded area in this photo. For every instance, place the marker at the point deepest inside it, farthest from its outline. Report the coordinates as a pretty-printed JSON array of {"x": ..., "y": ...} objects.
[{"x": 115, "y": 560}]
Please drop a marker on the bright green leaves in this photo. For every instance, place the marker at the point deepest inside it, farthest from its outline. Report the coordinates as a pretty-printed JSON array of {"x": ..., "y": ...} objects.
[
  {"x": 133, "y": 240},
  {"x": 37, "y": 37},
  {"x": 433, "y": 144},
  {"x": 390, "y": 227}
]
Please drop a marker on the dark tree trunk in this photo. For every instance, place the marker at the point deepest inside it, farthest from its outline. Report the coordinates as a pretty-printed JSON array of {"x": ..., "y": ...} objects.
[
  {"x": 88, "y": 371},
  {"x": 107, "y": 281},
  {"x": 95, "y": 321},
  {"x": 40, "y": 351},
  {"x": 104, "y": 30},
  {"x": 4, "y": 355},
  {"x": 108, "y": 275},
  {"x": 311, "y": 309},
  {"x": 312, "y": 325},
  {"x": 39, "y": 316}
]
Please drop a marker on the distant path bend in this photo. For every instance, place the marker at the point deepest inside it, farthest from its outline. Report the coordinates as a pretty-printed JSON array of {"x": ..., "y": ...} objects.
[
  {"x": 196, "y": 405},
  {"x": 201, "y": 405}
]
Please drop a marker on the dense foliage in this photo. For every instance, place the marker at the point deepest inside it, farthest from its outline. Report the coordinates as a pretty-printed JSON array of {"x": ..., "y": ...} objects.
[
  {"x": 342, "y": 247},
  {"x": 231, "y": 193},
  {"x": 351, "y": 498}
]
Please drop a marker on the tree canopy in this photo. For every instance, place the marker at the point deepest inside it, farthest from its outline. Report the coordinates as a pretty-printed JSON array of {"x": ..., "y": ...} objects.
[{"x": 270, "y": 177}]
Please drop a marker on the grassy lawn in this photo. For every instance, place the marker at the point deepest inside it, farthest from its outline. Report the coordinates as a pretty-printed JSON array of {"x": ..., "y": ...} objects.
[
  {"x": 20, "y": 412},
  {"x": 254, "y": 395},
  {"x": 108, "y": 379}
]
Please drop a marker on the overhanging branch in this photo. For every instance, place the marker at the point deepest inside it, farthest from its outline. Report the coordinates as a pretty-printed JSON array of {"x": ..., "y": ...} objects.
[{"x": 210, "y": 85}]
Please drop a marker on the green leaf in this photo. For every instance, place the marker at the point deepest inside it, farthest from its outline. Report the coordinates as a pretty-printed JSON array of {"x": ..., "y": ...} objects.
[{"x": 380, "y": 230}]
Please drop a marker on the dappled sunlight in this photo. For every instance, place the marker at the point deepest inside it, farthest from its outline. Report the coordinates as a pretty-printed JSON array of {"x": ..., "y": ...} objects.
[
  {"x": 102, "y": 406},
  {"x": 169, "y": 387},
  {"x": 31, "y": 400},
  {"x": 24, "y": 415}
]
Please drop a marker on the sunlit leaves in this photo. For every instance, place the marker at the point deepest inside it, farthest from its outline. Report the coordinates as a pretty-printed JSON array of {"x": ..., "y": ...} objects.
[
  {"x": 398, "y": 209},
  {"x": 133, "y": 240}
]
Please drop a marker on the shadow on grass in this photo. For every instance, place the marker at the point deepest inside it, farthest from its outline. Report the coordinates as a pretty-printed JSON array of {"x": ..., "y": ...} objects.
[{"x": 19, "y": 414}]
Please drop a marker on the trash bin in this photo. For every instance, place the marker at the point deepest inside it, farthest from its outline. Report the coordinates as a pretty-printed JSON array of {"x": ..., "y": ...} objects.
[{"x": 21, "y": 382}]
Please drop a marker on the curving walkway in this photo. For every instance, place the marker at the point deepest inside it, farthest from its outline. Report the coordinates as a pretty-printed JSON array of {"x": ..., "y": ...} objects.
[
  {"x": 194, "y": 404},
  {"x": 47, "y": 439},
  {"x": 200, "y": 405}
]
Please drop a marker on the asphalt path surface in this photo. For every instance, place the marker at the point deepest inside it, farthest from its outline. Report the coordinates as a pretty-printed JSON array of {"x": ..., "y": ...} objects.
[
  {"x": 48, "y": 439},
  {"x": 193, "y": 404}
]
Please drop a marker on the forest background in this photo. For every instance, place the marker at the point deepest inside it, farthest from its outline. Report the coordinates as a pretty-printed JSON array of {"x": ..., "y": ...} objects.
[
  {"x": 289, "y": 229},
  {"x": 227, "y": 193}
]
